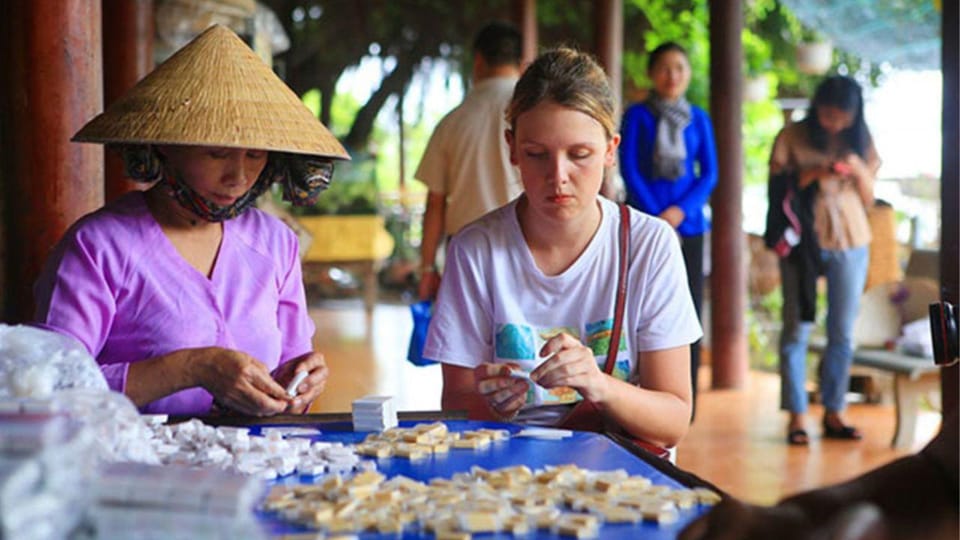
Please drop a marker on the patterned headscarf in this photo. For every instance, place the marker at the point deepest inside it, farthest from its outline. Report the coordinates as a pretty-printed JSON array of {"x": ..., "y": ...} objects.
[{"x": 302, "y": 177}]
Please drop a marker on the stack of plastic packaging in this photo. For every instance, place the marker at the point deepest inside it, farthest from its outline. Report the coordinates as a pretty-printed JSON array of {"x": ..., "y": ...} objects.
[
  {"x": 138, "y": 501},
  {"x": 67, "y": 442},
  {"x": 374, "y": 413},
  {"x": 46, "y": 466}
]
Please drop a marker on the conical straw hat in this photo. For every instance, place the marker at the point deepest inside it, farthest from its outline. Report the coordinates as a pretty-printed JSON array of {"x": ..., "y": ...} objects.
[{"x": 214, "y": 91}]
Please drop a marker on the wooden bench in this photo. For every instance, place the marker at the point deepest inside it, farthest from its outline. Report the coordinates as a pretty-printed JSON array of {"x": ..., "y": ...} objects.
[{"x": 913, "y": 377}]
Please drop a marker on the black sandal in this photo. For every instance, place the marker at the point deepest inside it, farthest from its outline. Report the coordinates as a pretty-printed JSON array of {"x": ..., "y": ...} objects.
[
  {"x": 798, "y": 437},
  {"x": 847, "y": 433}
]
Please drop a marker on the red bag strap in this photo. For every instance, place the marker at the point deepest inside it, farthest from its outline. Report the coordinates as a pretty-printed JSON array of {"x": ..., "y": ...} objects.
[{"x": 622, "y": 264}]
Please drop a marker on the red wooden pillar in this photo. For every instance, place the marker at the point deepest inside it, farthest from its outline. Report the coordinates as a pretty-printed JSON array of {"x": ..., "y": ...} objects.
[
  {"x": 950, "y": 183},
  {"x": 525, "y": 17},
  {"x": 608, "y": 44},
  {"x": 52, "y": 79},
  {"x": 728, "y": 280},
  {"x": 127, "y": 58}
]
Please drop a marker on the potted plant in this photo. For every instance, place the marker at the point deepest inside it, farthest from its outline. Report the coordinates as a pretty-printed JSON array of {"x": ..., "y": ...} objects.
[
  {"x": 756, "y": 88},
  {"x": 814, "y": 53},
  {"x": 756, "y": 66}
]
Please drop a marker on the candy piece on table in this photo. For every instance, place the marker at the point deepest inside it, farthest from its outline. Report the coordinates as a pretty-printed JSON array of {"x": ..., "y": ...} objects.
[
  {"x": 154, "y": 419},
  {"x": 544, "y": 433},
  {"x": 707, "y": 497}
]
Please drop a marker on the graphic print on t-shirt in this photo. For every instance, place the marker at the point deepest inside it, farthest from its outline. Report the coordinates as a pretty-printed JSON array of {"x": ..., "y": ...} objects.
[
  {"x": 598, "y": 339},
  {"x": 521, "y": 343}
]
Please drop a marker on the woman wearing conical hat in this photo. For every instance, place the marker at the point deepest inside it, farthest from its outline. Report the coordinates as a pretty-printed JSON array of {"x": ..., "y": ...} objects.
[{"x": 185, "y": 294}]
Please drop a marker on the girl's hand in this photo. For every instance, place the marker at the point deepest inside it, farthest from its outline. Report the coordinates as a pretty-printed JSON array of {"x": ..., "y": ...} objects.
[
  {"x": 855, "y": 166},
  {"x": 572, "y": 364},
  {"x": 238, "y": 381},
  {"x": 315, "y": 365},
  {"x": 674, "y": 215},
  {"x": 862, "y": 177},
  {"x": 504, "y": 395},
  {"x": 842, "y": 168},
  {"x": 814, "y": 174}
]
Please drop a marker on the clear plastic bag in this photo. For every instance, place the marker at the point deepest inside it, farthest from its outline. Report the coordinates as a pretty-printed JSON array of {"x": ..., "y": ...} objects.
[
  {"x": 47, "y": 462},
  {"x": 35, "y": 363},
  {"x": 48, "y": 367},
  {"x": 118, "y": 429}
]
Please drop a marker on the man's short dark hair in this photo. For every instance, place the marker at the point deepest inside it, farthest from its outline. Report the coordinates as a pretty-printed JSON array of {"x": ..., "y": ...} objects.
[{"x": 499, "y": 43}]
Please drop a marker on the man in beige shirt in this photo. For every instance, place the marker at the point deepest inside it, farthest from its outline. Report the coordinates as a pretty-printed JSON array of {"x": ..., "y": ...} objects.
[{"x": 466, "y": 165}]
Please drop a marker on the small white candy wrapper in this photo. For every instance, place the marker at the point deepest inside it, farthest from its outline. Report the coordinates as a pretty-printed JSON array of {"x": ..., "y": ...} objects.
[
  {"x": 297, "y": 379},
  {"x": 520, "y": 374},
  {"x": 544, "y": 433}
]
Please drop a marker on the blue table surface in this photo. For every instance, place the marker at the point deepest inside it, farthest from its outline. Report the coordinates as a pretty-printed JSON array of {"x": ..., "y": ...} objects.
[{"x": 586, "y": 450}]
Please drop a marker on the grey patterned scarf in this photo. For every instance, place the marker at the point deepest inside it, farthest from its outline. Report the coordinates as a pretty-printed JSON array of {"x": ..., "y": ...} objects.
[{"x": 669, "y": 151}]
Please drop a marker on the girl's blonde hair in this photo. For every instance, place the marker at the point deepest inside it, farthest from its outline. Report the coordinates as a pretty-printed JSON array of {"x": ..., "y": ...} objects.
[{"x": 569, "y": 78}]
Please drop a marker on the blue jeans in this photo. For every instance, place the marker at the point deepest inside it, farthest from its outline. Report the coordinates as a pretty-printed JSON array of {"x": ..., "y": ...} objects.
[{"x": 846, "y": 273}]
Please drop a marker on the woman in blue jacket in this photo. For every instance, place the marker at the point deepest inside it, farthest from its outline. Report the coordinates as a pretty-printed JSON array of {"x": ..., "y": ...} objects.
[{"x": 669, "y": 163}]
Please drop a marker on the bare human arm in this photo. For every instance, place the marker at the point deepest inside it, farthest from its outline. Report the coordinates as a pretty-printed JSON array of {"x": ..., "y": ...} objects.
[
  {"x": 236, "y": 379},
  {"x": 485, "y": 392},
  {"x": 863, "y": 173},
  {"x": 658, "y": 410},
  {"x": 674, "y": 215},
  {"x": 311, "y": 387},
  {"x": 781, "y": 161},
  {"x": 433, "y": 220},
  {"x": 812, "y": 174}
]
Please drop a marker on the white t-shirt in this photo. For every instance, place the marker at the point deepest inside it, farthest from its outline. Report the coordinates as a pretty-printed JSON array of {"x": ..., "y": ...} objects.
[
  {"x": 495, "y": 305},
  {"x": 467, "y": 158}
]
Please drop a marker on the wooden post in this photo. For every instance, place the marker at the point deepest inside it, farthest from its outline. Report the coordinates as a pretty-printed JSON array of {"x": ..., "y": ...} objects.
[
  {"x": 127, "y": 57},
  {"x": 525, "y": 17},
  {"x": 950, "y": 183},
  {"x": 53, "y": 85},
  {"x": 728, "y": 335},
  {"x": 608, "y": 44}
]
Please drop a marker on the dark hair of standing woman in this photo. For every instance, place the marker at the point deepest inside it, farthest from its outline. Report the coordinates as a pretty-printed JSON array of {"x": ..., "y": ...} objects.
[
  {"x": 661, "y": 50},
  {"x": 845, "y": 94}
]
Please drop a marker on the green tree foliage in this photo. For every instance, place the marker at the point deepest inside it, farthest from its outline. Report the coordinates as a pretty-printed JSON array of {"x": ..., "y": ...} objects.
[
  {"x": 410, "y": 36},
  {"x": 329, "y": 36},
  {"x": 770, "y": 37},
  {"x": 682, "y": 21},
  {"x": 775, "y": 25}
]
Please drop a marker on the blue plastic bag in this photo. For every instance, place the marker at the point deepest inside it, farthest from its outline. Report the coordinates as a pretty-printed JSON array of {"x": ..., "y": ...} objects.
[{"x": 421, "y": 312}]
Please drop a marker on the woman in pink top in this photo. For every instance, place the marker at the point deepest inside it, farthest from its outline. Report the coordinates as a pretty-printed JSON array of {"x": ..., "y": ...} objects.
[{"x": 187, "y": 296}]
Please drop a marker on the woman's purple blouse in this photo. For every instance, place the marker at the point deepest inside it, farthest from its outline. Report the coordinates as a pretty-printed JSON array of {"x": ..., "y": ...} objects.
[{"x": 117, "y": 284}]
